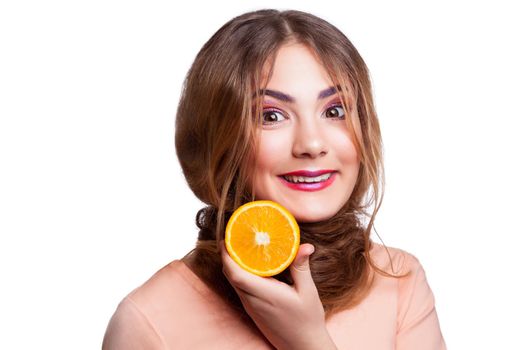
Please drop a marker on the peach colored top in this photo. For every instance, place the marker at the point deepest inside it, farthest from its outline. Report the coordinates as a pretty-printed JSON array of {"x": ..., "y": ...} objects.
[{"x": 174, "y": 309}]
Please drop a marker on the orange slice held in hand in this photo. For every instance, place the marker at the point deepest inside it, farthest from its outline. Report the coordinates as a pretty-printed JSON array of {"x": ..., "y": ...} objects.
[{"x": 262, "y": 237}]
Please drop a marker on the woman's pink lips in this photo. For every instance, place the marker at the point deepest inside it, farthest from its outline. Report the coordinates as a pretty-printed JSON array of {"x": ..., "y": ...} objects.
[{"x": 309, "y": 187}]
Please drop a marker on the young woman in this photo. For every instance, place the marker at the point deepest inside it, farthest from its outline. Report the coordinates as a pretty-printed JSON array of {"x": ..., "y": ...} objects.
[{"x": 278, "y": 106}]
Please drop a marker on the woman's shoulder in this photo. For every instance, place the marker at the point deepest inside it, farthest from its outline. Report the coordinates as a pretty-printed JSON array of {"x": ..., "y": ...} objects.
[
  {"x": 153, "y": 311},
  {"x": 394, "y": 260},
  {"x": 173, "y": 284},
  {"x": 132, "y": 325},
  {"x": 169, "y": 311},
  {"x": 417, "y": 321}
]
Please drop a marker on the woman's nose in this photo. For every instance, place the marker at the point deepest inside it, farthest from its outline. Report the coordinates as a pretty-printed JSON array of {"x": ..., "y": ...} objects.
[{"x": 309, "y": 141}]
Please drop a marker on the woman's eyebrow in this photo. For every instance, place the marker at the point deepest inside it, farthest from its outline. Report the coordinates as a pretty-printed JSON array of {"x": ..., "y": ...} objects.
[
  {"x": 328, "y": 92},
  {"x": 287, "y": 98}
]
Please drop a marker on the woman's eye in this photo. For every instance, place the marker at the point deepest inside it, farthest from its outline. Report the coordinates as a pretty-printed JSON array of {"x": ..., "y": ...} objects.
[
  {"x": 335, "y": 112},
  {"x": 272, "y": 116}
]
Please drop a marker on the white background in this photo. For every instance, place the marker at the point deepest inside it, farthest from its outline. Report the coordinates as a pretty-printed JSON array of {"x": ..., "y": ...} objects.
[{"x": 92, "y": 200}]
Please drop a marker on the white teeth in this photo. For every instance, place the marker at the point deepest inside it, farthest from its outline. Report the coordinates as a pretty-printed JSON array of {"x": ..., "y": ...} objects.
[{"x": 297, "y": 179}]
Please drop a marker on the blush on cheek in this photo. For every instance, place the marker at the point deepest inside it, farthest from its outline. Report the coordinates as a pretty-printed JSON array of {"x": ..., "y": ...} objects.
[
  {"x": 273, "y": 151},
  {"x": 345, "y": 147}
]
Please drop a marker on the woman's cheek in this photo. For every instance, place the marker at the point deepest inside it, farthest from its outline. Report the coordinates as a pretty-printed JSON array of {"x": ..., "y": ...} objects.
[
  {"x": 274, "y": 147},
  {"x": 345, "y": 149}
]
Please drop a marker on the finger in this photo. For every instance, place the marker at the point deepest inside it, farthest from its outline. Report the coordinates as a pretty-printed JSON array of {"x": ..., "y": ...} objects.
[
  {"x": 257, "y": 286},
  {"x": 238, "y": 277},
  {"x": 300, "y": 270},
  {"x": 251, "y": 302}
]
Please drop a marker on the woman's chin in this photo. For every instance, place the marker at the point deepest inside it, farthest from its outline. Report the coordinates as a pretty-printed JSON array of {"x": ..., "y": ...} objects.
[{"x": 314, "y": 216}]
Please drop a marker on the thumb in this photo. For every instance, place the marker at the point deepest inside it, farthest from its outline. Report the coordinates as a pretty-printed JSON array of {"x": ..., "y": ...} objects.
[{"x": 300, "y": 269}]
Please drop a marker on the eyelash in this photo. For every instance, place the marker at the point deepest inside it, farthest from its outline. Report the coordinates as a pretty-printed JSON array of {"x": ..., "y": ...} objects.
[{"x": 269, "y": 110}]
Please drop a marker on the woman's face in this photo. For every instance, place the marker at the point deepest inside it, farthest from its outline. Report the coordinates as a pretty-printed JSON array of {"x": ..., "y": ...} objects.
[{"x": 303, "y": 130}]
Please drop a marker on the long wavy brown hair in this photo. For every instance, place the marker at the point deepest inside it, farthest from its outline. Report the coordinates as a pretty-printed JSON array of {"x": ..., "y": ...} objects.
[{"x": 216, "y": 140}]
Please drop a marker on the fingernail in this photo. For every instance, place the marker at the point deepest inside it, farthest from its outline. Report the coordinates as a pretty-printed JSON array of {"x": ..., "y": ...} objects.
[{"x": 311, "y": 250}]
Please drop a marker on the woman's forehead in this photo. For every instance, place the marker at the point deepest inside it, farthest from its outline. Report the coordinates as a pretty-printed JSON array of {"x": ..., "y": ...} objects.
[{"x": 263, "y": 78}]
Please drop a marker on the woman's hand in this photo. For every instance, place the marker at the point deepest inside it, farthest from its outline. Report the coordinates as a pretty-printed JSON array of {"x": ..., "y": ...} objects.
[{"x": 291, "y": 317}]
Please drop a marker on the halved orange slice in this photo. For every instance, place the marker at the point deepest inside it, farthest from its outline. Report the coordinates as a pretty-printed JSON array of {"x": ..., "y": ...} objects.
[{"x": 262, "y": 237}]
